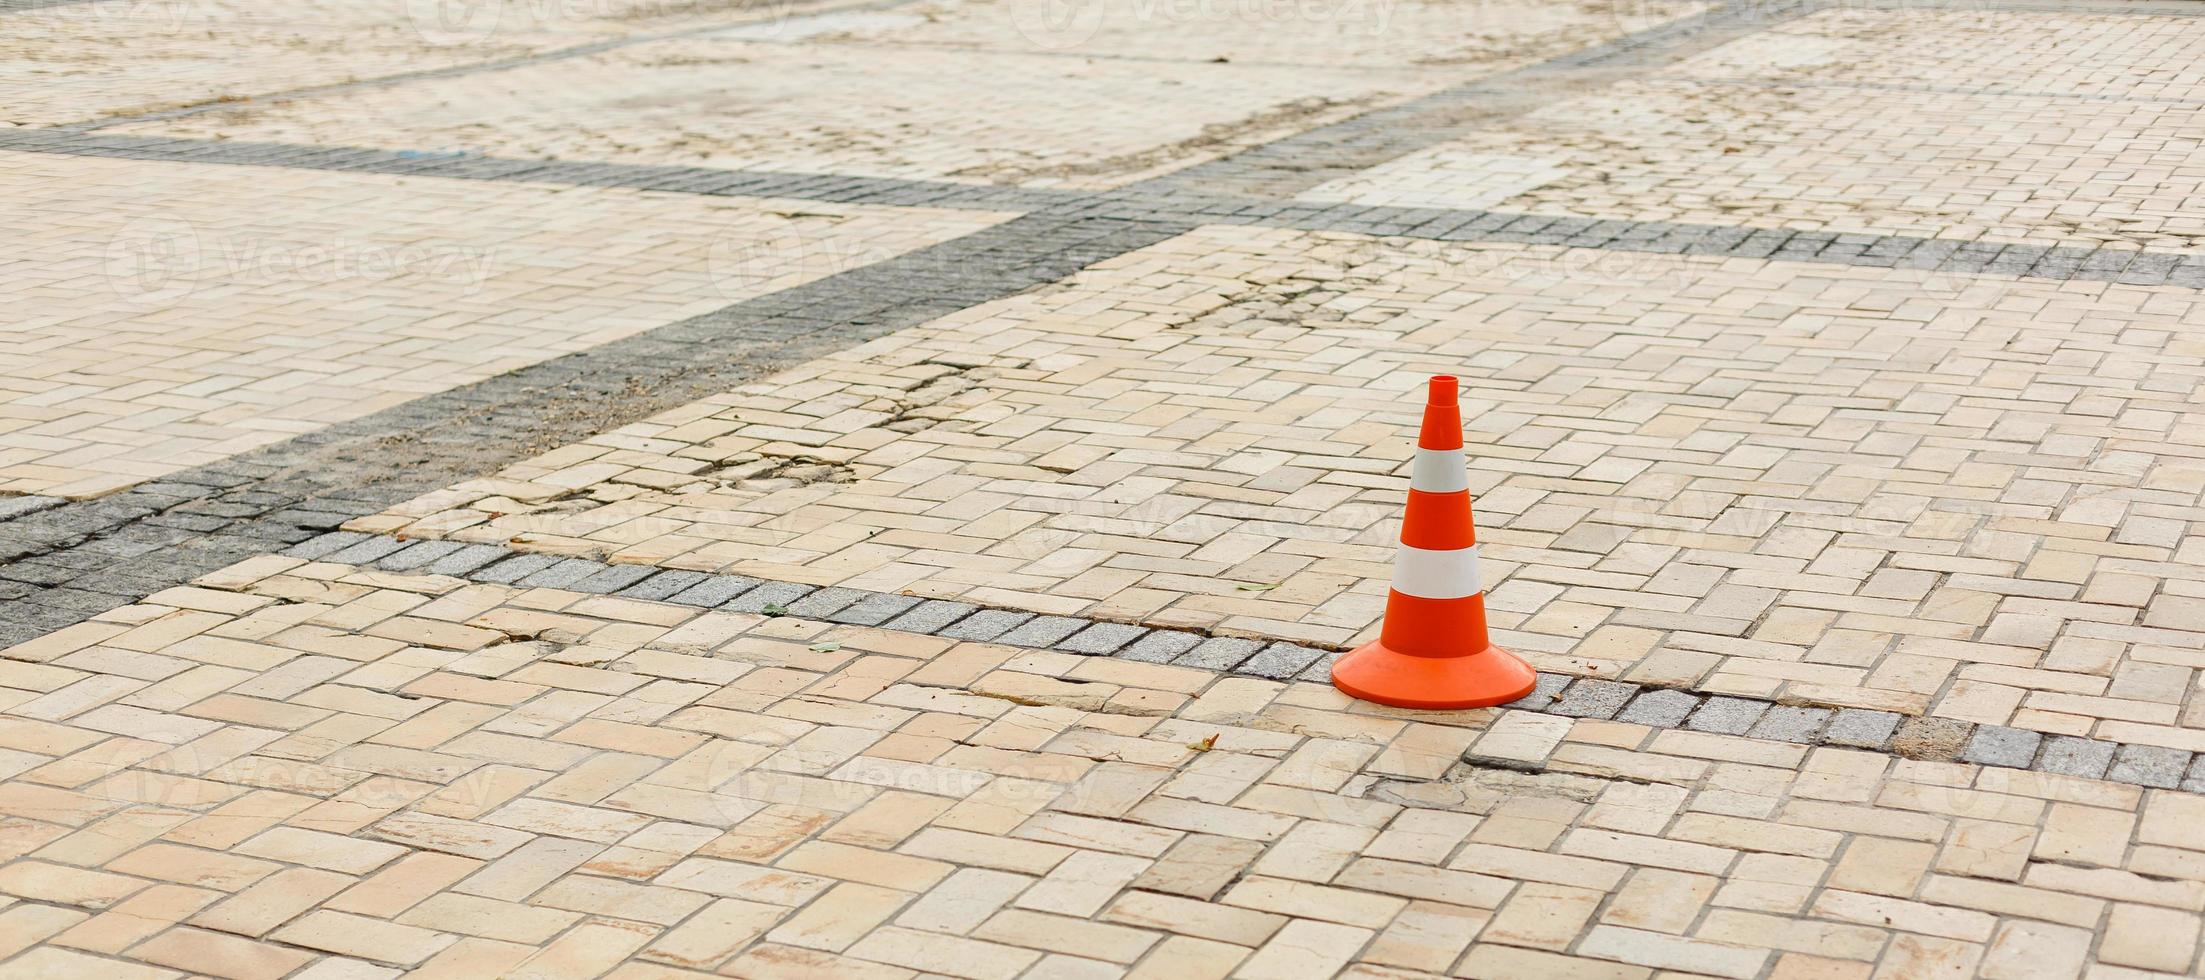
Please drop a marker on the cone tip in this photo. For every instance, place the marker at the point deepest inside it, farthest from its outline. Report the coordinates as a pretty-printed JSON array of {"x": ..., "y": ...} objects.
[{"x": 1442, "y": 390}]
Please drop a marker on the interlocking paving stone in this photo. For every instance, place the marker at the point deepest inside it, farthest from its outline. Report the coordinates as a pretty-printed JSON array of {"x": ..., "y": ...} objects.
[
  {"x": 1101, "y": 638},
  {"x": 1544, "y": 691},
  {"x": 1659, "y": 709},
  {"x": 1997, "y": 745},
  {"x": 325, "y": 545},
  {"x": 2071, "y": 756},
  {"x": 2149, "y": 765},
  {"x": 1861, "y": 728},
  {"x": 466, "y": 560}
]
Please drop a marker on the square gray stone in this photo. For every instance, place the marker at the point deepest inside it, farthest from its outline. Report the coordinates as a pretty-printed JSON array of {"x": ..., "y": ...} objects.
[
  {"x": 466, "y": 561},
  {"x": 715, "y": 590},
  {"x": 984, "y": 626},
  {"x": 1101, "y": 638},
  {"x": 931, "y": 616},
  {"x": 1593, "y": 698},
  {"x": 1998, "y": 745},
  {"x": 1320, "y": 670},
  {"x": 1042, "y": 631},
  {"x": 317, "y": 548},
  {"x": 1279, "y": 661},
  {"x": 363, "y": 552},
  {"x": 874, "y": 609},
  {"x": 613, "y": 578},
  {"x": 1160, "y": 646},
  {"x": 1860, "y": 728},
  {"x": 2195, "y": 781},
  {"x": 514, "y": 569},
  {"x": 663, "y": 586},
  {"x": 1724, "y": 715},
  {"x": 2149, "y": 765},
  {"x": 1220, "y": 652},
  {"x": 2068, "y": 755},
  {"x": 416, "y": 555},
  {"x": 825, "y": 602},
  {"x": 1543, "y": 692},
  {"x": 1788, "y": 723},
  {"x": 1658, "y": 709},
  {"x": 559, "y": 576},
  {"x": 776, "y": 594}
]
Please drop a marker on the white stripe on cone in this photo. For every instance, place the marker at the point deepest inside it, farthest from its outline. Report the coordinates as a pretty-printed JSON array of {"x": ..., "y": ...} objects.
[
  {"x": 1451, "y": 574},
  {"x": 1440, "y": 471}
]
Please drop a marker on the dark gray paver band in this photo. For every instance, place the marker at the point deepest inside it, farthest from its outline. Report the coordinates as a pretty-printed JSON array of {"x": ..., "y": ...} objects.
[{"x": 1932, "y": 739}]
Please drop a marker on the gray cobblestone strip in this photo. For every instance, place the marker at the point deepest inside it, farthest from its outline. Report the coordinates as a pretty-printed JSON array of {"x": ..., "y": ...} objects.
[
  {"x": 1297, "y": 163},
  {"x": 1152, "y": 202},
  {"x": 474, "y": 166},
  {"x": 61, "y": 563},
  {"x": 1930, "y": 739}
]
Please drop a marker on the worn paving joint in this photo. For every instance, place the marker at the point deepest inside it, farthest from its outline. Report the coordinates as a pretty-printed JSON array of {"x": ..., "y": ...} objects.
[
  {"x": 1912, "y": 737},
  {"x": 61, "y": 564}
]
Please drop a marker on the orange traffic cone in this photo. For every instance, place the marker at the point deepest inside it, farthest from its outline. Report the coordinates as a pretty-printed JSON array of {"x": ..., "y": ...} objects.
[{"x": 1432, "y": 651}]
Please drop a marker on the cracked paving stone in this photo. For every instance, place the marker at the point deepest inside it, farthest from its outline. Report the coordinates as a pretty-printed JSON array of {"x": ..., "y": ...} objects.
[
  {"x": 1998, "y": 745},
  {"x": 1543, "y": 692},
  {"x": 1931, "y": 739}
]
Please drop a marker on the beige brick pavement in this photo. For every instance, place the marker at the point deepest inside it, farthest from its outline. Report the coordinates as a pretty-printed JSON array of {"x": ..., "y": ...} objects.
[
  {"x": 1963, "y": 496},
  {"x": 164, "y": 316},
  {"x": 984, "y": 94},
  {"x": 305, "y": 767},
  {"x": 87, "y": 62},
  {"x": 1985, "y": 125}
]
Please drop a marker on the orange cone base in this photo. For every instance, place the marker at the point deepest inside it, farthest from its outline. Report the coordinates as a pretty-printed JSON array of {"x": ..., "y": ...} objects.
[{"x": 1483, "y": 679}]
